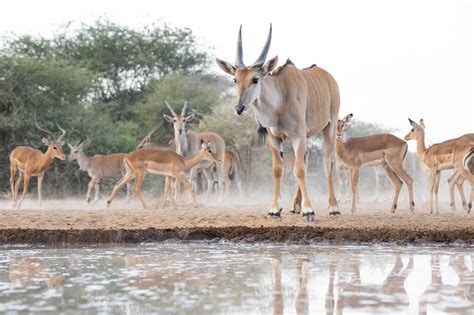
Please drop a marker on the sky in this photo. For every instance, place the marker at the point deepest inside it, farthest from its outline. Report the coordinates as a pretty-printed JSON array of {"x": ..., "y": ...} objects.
[{"x": 391, "y": 59}]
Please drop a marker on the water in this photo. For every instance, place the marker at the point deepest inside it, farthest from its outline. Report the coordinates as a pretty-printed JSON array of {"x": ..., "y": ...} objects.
[{"x": 201, "y": 278}]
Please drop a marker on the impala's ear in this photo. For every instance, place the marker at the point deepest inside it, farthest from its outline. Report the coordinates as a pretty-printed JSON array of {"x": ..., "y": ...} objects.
[
  {"x": 168, "y": 118},
  {"x": 422, "y": 124},
  {"x": 71, "y": 147},
  {"x": 270, "y": 65},
  {"x": 189, "y": 117},
  {"x": 348, "y": 118},
  {"x": 61, "y": 143},
  {"x": 45, "y": 141},
  {"x": 226, "y": 67},
  {"x": 202, "y": 141}
]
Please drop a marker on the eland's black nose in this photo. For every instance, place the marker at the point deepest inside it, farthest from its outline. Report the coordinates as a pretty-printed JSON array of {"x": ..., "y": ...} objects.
[{"x": 239, "y": 109}]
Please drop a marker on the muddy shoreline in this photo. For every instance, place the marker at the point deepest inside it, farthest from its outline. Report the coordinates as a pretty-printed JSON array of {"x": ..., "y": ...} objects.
[
  {"x": 289, "y": 234},
  {"x": 64, "y": 223}
]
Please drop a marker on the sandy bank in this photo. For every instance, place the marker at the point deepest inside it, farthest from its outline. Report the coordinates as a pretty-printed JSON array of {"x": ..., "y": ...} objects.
[{"x": 235, "y": 223}]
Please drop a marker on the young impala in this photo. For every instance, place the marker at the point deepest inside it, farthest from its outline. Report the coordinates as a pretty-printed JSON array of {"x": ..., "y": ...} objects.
[
  {"x": 141, "y": 161},
  {"x": 32, "y": 162},
  {"x": 381, "y": 149},
  {"x": 98, "y": 167}
]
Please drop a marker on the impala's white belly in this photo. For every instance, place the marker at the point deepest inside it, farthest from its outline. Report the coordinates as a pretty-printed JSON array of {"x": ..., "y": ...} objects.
[
  {"x": 158, "y": 172},
  {"x": 374, "y": 163}
]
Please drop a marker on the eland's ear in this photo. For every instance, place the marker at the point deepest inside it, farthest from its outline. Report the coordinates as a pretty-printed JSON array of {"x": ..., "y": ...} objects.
[
  {"x": 61, "y": 143},
  {"x": 226, "y": 67},
  {"x": 45, "y": 141},
  {"x": 189, "y": 117},
  {"x": 168, "y": 118},
  {"x": 270, "y": 65},
  {"x": 422, "y": 123},
  {"x": 202, "y": 141}
]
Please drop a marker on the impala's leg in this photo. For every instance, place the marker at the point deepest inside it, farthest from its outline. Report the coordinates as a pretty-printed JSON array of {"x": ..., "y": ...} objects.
[
  {"x": 97, "y": 190},
  {"x": 185, "y": 181},
  {"x": 89, "y": 189},
  {"x": 209, "y": 180},
  {"x": 471, "y": 197},
  {"x": 397, "y": 183},
  {"x": 299, "y": 146},
  {"x": 459, "y": 184},
  {"x": 275, "y": 210},
  {"x": 297, "y": 201},
  {"x": 329, "y": 158},
  {"x": 220, "y": 179},
  {"x": 354, "y": 182},
  {"x": 433, "y": 172},
  {"x": 40, "y": 188},
  {"x": 12, "y": 181},
  {"x": 436, "y": 187},
  {"x": 402, "y": 174},
  {"x": 165, "y": 192},
  {"x": 26, "y": 181},
  {"x": 452, "y": 183},
  {"x": 17, "y": 188},
  {"x": 136, "y": 187},
  {"x": 125, "y": 179}
]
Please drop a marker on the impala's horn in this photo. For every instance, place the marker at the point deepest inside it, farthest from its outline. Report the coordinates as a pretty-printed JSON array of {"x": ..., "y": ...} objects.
[
  {"x": 63, "y": 132},
  {"x": 41, "y": 129},
  {"x": 263, "y": 55}
]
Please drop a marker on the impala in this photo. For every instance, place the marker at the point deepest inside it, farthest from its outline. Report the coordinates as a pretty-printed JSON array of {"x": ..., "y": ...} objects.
[
  {"x": 381, "y": 149},
  {"x": 98, "y": 167},
  {"x": 141, "y": 161},
  {"x": 32, "y": 162},
  {"x": 290, "y": 104},
  {"x": 437, "y": 158},
  {"x": 231, "y": 171},
  {"x": 188, "y": 142}
]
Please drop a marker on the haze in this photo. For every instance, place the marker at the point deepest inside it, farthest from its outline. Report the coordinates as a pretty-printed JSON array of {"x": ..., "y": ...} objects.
[{"x": 391, "y": 59}]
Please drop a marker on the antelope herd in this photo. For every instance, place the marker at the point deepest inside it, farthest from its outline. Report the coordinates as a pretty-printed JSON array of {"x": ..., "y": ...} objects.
[{"x": 289, "y": 104}]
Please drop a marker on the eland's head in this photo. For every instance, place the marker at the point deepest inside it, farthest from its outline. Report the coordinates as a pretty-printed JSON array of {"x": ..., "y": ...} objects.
[
  {"x": 248, "y": 79},
  {"x": 178, "y": 121}
]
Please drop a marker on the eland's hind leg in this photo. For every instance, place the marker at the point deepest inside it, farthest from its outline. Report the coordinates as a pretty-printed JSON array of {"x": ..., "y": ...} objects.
[{"x": 329, "y": 162}]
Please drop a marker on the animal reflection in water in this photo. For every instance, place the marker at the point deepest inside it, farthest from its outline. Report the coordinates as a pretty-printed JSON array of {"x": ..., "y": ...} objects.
[
  {"x": 301, "y": 300},
  {"x": 346, "y": 292},
  {"x": 452, "y": 299},
  {"x": 30, "y": 271}
]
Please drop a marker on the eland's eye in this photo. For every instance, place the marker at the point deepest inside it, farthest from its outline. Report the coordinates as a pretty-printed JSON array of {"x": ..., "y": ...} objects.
[
  {"x": 254, "y": 80},
  {"x": 235, "y": 80},
  {"x": 412, "y": 129}
]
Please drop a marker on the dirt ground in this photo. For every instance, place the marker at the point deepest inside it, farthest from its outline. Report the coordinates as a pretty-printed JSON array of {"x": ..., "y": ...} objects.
[{"x": 73, "y": 221}]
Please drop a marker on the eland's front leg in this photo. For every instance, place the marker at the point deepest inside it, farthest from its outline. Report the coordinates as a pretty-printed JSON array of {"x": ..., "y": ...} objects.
[
  {"x": 299, "y": 146},
  {"x": 277, "y": 167}
]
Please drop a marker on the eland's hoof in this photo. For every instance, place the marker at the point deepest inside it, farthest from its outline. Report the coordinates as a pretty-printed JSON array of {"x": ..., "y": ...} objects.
[
  {"x": 335, "y": 213},
  {"x": 88, "y": 200},
  {"x": 108, "y": 203},
  {"x": 308, "y": 216},
  {"x": 272, "y": 214}
]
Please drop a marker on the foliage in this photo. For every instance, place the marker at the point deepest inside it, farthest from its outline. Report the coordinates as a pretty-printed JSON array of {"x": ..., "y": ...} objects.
[{"x": 104, "y": 82}]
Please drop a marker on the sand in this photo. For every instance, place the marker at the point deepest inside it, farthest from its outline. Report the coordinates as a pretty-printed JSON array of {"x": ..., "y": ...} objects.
[{"x": 72, "y": 222}]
